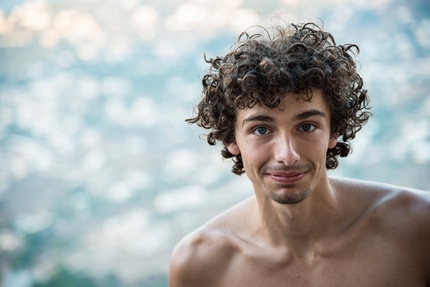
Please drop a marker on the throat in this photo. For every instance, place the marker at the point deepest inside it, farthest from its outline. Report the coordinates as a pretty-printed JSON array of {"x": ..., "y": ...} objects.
[{"x": 303, "y": 223}]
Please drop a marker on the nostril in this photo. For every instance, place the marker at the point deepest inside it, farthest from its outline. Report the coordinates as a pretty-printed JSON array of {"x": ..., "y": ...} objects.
[{"x": 286, "y": 152}]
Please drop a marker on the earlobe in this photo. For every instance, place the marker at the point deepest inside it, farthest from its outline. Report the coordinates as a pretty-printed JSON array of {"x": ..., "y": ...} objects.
[
  {"x": 333, "y": 140},
  {"x": 233, "y": 148}
]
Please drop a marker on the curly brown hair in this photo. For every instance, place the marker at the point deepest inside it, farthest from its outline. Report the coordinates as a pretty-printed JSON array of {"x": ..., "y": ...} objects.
[{"x": 262, "y": 68}]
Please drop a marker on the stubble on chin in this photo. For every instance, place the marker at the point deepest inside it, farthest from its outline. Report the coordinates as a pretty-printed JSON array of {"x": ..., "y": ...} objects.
[{"x": 291, "y": 198}]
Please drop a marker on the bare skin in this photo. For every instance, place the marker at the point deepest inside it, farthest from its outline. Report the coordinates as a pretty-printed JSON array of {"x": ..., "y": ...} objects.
[{"x": 303, "y": 228}]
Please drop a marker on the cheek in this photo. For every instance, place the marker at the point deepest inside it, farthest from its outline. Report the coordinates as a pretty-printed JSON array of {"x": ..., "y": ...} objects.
[
  {"x": 252, "y": 159},
  {"x": 318, "y": 148}
]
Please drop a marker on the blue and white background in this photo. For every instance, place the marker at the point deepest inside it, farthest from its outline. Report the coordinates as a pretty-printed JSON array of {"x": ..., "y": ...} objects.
[{"x": 99, "y": 174}]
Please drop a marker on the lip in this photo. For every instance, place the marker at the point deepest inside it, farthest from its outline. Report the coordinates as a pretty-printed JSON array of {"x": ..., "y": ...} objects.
[{"x": 286, "y": 178}]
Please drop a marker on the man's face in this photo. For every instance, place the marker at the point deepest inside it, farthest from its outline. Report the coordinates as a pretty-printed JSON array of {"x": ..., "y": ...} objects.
[{"x": 284, "y": 149}]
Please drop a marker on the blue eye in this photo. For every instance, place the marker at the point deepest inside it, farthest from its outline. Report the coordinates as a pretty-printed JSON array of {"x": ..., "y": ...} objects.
[
  {"x": 261, "y": 131},
  {"x": 307, "y": 127}
]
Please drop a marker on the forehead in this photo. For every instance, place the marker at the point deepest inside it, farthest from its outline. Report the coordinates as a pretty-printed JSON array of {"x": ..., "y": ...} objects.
[{"x": 291, "y": 104}]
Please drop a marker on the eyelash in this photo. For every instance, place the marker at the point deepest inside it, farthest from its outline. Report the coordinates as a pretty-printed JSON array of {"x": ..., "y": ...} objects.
[
  {"x": 312, "y": 128},
  {"x": 257, "y": 128}
]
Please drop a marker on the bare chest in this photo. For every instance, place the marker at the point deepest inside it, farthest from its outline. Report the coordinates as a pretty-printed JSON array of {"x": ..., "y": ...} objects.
[{"x": 362, "y": 264}]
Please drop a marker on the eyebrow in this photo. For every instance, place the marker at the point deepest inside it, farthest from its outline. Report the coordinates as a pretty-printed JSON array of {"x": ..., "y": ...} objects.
[
  {"x": 308, "y": 114},
  {"x": 299, "y": 117},
  {"x": 259, "y": 118}
]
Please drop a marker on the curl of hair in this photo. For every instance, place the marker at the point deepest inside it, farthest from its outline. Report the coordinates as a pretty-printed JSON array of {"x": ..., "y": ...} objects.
[{"x": 262, "y": 68}]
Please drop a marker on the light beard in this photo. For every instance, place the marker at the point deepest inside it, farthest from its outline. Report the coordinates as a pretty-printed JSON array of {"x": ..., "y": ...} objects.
[{"x": 288, "y": 198}]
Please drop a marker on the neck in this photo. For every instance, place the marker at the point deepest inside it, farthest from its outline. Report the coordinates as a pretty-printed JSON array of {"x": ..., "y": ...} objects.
[{"x": 301, "y": 224}]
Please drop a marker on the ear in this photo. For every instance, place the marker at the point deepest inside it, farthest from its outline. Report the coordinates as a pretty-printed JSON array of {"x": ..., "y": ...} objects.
[
  {"x": 233, "y": 148},
  {"x": 333, "y": 140}
]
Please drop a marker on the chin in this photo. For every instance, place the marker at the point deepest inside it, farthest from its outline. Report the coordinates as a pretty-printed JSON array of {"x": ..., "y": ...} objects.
[{"x": 290, "y": 198}]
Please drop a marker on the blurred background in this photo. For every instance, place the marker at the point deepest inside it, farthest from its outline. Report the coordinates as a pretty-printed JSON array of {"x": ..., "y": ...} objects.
[{"x": 99, "y": 174}]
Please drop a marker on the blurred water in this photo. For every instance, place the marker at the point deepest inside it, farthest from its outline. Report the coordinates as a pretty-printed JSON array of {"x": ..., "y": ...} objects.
[{"x": 99, "y": 174}]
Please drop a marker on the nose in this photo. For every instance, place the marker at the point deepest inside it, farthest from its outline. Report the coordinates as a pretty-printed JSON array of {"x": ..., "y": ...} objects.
[{"x": 286, "y": 150}]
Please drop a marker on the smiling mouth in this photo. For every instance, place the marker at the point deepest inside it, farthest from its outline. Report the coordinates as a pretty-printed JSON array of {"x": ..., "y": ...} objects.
[
  {"x": 287, "y": 178},
  {"x": 286, "y": 175}
]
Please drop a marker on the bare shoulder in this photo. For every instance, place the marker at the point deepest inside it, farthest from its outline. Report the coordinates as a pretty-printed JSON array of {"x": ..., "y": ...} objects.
[
  {"x": 199, "y": 257},
  {"x": 401, "y": 204},
  {"x": 399, "y": 214},
  {"x": 203, "y": 257},
  {"x": 382, "y": 193}
]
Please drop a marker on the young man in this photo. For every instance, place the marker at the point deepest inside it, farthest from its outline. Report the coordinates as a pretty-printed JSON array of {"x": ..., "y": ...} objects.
[{"x": 285, "y": 105}]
